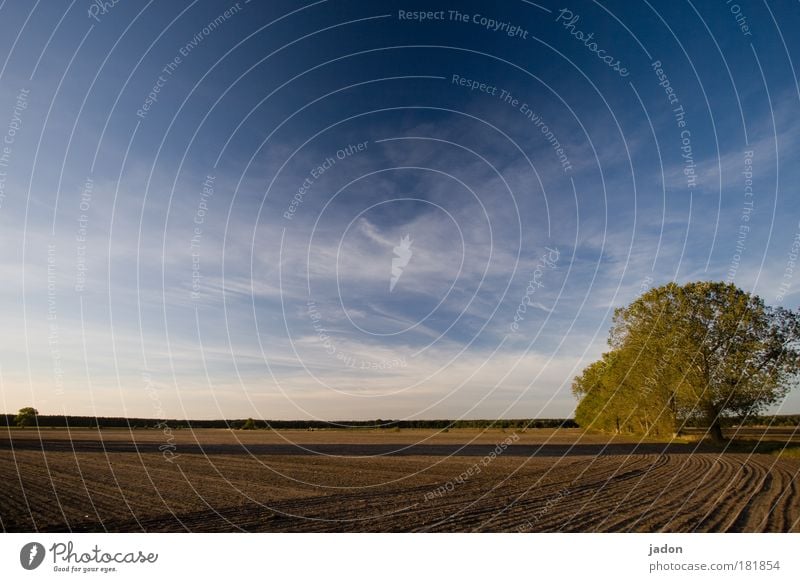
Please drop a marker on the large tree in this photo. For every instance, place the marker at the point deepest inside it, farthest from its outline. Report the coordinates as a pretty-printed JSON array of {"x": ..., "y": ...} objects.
[
  {"x": 703, "y": 350},
  {"x": 26, "y": 416}
]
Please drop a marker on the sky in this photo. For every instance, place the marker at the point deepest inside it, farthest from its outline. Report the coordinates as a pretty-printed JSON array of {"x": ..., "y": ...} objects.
[{"x": 360, "y": 210}]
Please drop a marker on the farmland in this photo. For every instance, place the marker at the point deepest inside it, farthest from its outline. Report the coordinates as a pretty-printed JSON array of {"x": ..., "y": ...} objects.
[{"x": 540, "y": 480}]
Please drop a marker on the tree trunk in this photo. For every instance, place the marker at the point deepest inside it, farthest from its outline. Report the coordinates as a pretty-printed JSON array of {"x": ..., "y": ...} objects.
[
  {"x": 714, "y": 419},
  {"x": 715, "y": 430}
]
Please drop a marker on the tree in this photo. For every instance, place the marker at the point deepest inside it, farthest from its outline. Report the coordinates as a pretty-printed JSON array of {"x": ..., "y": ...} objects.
[
  {"x": 701, "y": 351},
  {"x": 249, "y": 424},
  {"x": 26, "y": 416}
]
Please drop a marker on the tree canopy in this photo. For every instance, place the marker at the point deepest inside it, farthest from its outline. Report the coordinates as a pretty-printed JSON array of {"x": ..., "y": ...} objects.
[
  {"x": 702, "y": 351},
  {"x": 26, "y": 416}
]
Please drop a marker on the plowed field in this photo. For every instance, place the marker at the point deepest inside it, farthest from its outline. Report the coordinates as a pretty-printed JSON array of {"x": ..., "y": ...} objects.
[{"x": 543, "y": 480}]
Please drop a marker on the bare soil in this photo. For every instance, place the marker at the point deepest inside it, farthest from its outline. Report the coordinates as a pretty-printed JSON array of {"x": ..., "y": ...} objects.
[{"x": 409, "y": 480}]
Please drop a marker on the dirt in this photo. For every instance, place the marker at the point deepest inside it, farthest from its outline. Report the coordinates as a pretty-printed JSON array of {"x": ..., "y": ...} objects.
[{"x": 462, "y": 480}]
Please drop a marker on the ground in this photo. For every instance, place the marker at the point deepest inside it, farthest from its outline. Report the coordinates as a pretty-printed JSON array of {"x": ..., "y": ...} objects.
[{"x": 384, "y": 480}]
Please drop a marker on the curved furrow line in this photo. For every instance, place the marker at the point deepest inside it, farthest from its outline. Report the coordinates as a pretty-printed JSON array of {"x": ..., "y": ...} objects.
[
  {"x": 596, "y": 468},
  {"x": 562, "y": 517},
  {"x": 631, "y": 507},
  {"x": 563, "y": 477},
  {"x": 760, "y": 501},
  {"x": 657, "y": 501},
  {"x": 628, "y": 509},
  {"x": 273, "y": 514},
  {"x": 706, "y": 504},
  {"x": 694, "y": 490},
  {"x": 792, "y": 515},
  {"x": 757, "y": 483},
  {"x": 74, "y": 495},
  {"x": 465, "y": 512},
  {"x": 756, "y": 505},
  {"x": 738, "y": 488},
  {"x": 515, "y": 495},
  {"x": 700, "y": 498},
  {"x": 686, "y": 488},
  {"x": 510, "y": 506},
  {"x": 503, "y": 513},
  {"x": 437, "y": 514},
  {"x": 605, "y": 499},
  {"x": 594, "y": 485},
  {"x": 529, "y": 514},
  {"x": 638, "y": 500},
  {"x": 785, "y": 509}
]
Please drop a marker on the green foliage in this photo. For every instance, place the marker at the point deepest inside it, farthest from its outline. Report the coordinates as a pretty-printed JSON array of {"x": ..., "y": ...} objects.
[
  {"x": 423, "y": 424},
  {"x": 249, "y": 424},
  {"x": 789, "y": 452},
  {"x": 700, "y": 352},
  {"x": 26, "y": 417}
]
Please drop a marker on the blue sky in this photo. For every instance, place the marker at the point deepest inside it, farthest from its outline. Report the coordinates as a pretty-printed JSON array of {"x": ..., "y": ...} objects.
[{"x": 203, "y": 204}]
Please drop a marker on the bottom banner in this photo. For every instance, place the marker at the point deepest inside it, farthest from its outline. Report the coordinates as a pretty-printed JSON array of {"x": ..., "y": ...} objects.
[{"x": 356, "y": 557}]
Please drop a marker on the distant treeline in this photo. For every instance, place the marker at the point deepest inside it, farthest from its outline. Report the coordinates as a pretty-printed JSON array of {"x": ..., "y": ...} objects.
[
  {"x": 47, "y": 420},
  {"x": 765, "y": 420}
]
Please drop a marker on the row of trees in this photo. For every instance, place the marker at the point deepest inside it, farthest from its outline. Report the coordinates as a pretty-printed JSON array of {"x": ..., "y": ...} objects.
[
  {"x": 697, "y": 353},
  {"x": 29, "y": 417}
]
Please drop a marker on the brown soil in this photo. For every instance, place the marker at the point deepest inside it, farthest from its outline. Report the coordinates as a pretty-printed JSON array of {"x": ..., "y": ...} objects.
[{"x": 547, "y": 480}]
